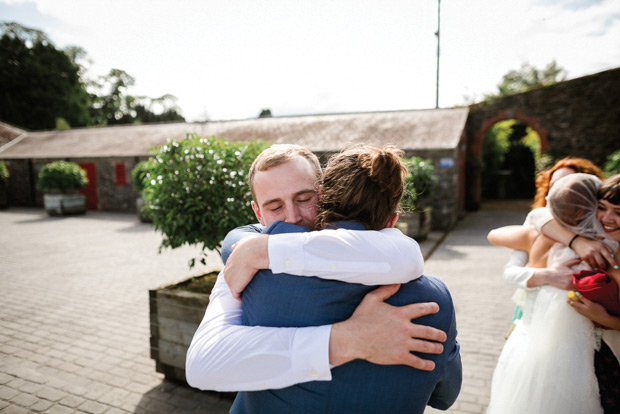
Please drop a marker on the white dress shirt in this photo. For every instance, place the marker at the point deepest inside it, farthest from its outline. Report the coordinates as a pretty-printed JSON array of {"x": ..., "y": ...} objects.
[{"x": 227, "y": 356}]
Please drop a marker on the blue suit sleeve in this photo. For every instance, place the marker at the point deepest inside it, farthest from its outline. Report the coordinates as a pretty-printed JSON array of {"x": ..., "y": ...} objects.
[
  {"x": 237, "y": 234},
  {"x": 447, "y": 389}
]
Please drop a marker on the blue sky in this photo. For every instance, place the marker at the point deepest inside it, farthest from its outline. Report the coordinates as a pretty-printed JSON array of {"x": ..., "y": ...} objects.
[{"x": 230, "y": 59}]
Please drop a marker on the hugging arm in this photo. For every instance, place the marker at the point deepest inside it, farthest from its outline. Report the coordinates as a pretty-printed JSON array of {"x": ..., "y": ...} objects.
[
  {"x": 596, "y": 253},
  {"x": 365, "y": 257},
  {"x": 226, "y": 356},
  {"x": 513, "y": 237}
]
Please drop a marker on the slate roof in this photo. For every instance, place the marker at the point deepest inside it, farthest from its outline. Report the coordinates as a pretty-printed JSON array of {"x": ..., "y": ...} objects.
[{"x": 408, "y": 130}]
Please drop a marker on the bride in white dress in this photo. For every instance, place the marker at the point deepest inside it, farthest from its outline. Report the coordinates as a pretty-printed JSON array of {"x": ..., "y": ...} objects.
[{"x": 547, "y": 363}]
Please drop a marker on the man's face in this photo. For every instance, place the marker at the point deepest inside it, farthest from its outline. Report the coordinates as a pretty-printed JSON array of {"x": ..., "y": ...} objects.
[{"x": 287, "y": 192}]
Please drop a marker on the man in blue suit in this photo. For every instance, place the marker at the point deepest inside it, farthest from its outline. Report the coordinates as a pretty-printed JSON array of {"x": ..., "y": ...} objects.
[{"x": 357, "y": 385}]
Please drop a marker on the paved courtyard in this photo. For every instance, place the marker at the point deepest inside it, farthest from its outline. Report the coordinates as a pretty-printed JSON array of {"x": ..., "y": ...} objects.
[{"x": 74, "y": 317}]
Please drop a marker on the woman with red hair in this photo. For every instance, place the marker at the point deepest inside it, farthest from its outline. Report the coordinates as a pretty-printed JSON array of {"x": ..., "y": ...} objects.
[{"x": 568, "y": 165}]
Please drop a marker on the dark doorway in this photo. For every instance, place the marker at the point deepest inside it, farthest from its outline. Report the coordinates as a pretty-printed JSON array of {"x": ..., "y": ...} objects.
[{"x": 509, "y": 155}]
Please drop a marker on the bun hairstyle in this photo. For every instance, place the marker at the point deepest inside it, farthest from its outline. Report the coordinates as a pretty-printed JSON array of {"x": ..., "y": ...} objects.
[{"x": 362, "y": 184}]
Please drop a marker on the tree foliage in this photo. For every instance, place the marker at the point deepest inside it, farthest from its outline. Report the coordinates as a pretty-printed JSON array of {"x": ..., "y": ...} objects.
[
  {"x": 196, "y": 190},
  {"x": 612, "y": 164},
  {"x": 528, "y": 77},
  {"x": 4, "y": 172},
  {"x": 39, "y": 83}
]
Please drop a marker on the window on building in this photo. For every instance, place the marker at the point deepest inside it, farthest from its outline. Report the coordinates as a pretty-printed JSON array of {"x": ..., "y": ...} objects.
[{"x": 120, "y": 173}]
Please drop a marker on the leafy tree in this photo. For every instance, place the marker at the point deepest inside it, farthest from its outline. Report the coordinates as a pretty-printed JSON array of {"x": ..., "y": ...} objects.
[
  {"x": 612, "y": 164},
  {"x": 112, "y": 105},
  {"x": 529, "y": 77},
  {"x": 162, "y": 109},
  {"x": 39, "y": 83}
]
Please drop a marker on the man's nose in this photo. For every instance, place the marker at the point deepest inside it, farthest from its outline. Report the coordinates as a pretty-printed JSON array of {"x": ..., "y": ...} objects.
[{"x": 293, "y": 215}]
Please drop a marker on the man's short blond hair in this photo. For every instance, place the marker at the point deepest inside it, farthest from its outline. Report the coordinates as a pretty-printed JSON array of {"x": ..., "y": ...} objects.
[{"x": 279, "y": 154}]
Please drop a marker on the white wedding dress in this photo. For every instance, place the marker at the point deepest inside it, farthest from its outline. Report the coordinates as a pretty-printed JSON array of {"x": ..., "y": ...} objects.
[{"x": 547, "y": 364}]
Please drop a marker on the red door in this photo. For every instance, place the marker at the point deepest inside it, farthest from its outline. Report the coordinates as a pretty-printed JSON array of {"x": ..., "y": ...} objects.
[{"x": 90, "y": 191}]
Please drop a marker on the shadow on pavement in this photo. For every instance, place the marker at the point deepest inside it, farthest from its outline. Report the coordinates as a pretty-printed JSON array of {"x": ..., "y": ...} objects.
[{"x": 171, "y": 396}]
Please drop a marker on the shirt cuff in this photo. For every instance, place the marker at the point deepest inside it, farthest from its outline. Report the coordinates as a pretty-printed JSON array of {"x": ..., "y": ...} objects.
[
  {"x": 310, "y": 351},
  {"x": 286, "y": 252}
]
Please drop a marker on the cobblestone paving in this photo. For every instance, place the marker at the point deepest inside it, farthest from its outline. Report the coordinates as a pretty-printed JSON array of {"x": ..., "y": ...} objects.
[
  {"x": 74, "y": 320},
  {"x": 472, "y": 269}
]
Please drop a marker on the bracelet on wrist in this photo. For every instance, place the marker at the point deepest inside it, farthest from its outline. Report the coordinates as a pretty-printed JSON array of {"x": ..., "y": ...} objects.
[{"x": 570, "y": 243}]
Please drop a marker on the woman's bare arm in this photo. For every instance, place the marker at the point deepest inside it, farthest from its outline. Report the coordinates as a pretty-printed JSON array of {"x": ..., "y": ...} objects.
[
  {"x": 596, "y": 253},
  {"x": 514, "y": 237}
]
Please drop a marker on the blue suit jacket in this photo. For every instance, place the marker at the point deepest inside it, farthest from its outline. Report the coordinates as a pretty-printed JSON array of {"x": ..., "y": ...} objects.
[{"x": 358, "y": 386}]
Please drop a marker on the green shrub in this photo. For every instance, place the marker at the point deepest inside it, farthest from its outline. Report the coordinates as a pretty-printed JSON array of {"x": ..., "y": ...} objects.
[
  {"x": 612, "y": 165},
  {"x": 4, "y": 172},
  {"x": 197, "y": 190},
  {"x": 419, "y": 183},
  {"x": 140, "y": 172},
  {"x": 62, "y": 176}
]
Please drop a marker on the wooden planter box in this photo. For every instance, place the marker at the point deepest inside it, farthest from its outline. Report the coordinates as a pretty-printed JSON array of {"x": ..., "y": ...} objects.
[
  {"x": 416, "y": 224},
  {"x": 61, "y": 204},
  {"x": 175, "y": 315}
]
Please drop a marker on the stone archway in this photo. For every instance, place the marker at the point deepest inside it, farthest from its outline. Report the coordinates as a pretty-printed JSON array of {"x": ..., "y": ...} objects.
[
  {"x": 531, "y": 121},
  {"x": 579, "y": 117}
]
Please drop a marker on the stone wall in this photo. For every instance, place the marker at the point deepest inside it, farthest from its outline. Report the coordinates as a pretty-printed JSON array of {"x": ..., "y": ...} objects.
[
  {"x": 446, "y": 201},
  {"x": 110, "y": 195},
  {"x": 579, "y": 117},
  {"x": 22, "y": 188}
]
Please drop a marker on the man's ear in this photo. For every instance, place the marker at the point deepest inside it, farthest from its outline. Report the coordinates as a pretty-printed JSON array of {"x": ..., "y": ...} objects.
[
  {"x": 257, "y": 213},
  {"x": 392, "y": 221}
]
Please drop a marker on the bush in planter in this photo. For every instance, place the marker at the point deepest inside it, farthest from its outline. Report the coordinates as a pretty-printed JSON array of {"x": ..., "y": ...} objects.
[
  {"x": 197, "y": 190},
  {"x": 60, "y": 182},
  {"x": 419, "y": 183},
  {"x": 62, "y": 176}
]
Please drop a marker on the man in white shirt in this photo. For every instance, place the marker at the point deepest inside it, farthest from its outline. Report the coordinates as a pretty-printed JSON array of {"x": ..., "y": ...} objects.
[{"x": 226, "y": 356}]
